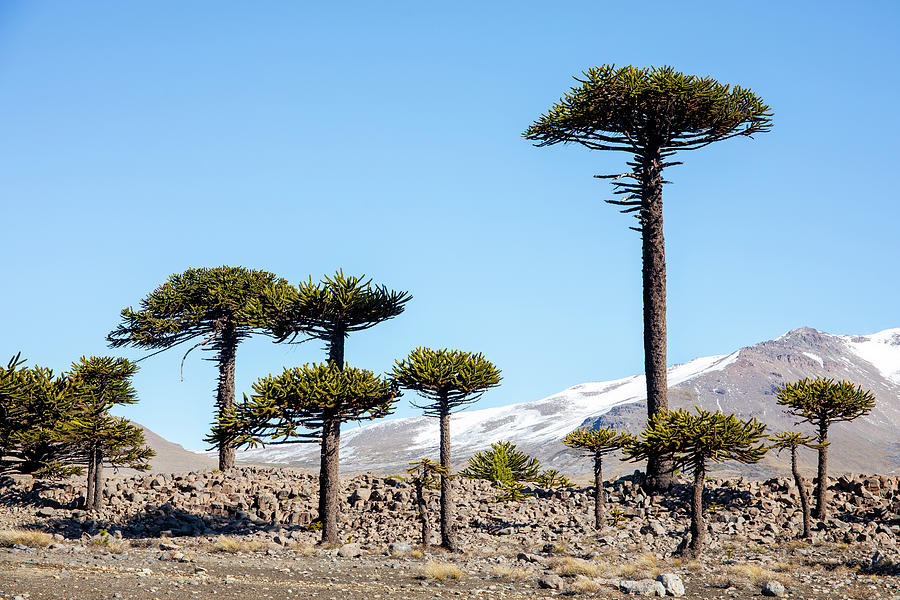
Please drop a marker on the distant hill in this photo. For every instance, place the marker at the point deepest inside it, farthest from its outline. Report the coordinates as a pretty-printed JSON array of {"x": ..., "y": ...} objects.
[
  {"x": 173, "y": 458},
  {"x": 743, "y": 382}
]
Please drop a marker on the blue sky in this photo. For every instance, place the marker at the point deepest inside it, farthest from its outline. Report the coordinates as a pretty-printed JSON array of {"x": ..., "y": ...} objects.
[{"x": 140, "y": 139}]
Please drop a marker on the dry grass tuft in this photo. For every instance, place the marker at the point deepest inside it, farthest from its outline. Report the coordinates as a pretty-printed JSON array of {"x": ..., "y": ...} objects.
[
  {"x": 232, "y": 545},
  {"x": 644, "y": 566},
  {"x": 25, "y": 537},
  {"x": 584, "y": 586},
  {"x": 688, "y": 564},
  {"x": 746, "y": 574},
  {"x": 415, "y": 553},
  {"x": 568, "y": 565},
  {"x": 507, "y": 572},
  {"x": 439, "y": 571}
]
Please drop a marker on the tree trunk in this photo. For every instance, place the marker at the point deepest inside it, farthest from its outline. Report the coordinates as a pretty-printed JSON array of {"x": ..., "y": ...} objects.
[
  {"x": 225, "y": 391},
  {"x": 801, "y": 490},
  {"x": 653, "y": 272},
  {"x": 329, "y": 484},
  {"x": 335, "y": 357},
  {"x": 423, "y": 512},
  {"x": 822, "y": 483},
  {"x": 98, "y": 480},
  {"x": 448, "y": 531},
  {"x": 698, "y": 526},
  {"x": 598, "y": 492},
  {"x": 89, "y": 495}
]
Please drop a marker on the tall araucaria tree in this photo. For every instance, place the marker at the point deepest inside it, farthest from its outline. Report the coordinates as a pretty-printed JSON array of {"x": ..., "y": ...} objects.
[
  {"x": 448, "y": 380},
  {"x": 596, "y": 443},
  {"x": 317, "y": 398},
  {"x": 694, "y": 439},
  {"x": 822, "y": 402},
  {"x": 650, "y": 113},
  {"x": 104, "y": 382},
  {"x": 217, "y": 308},
  {"x": 330, "y": 310}
]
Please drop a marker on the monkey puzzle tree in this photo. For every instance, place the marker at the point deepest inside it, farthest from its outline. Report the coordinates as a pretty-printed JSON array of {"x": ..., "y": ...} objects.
[
  {"x": 694, "y": 439},
  {"x": 596, "y": 443},
  {"x": 329, "y": 311},
  {"x": 104, "y": 382},
  {"x": 791, "y": 440},
  {"x": 448, "y": 380},
  {"x": 33, "y": 405},
  {"x": 424, "y": 475},
  {"x": 318, "y": 398},
  {"x": 822, "y": 402},
  {"x": 219, "y": 306},
  {"x": 651, "y": 114}
]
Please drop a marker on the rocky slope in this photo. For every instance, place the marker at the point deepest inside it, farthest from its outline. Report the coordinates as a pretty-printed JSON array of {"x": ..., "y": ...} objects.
[{"x": 743, "y": 382}]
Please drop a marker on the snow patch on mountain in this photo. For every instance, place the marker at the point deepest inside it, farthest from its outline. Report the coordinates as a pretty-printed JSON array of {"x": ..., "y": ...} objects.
[{"x": 881, "y": 349}]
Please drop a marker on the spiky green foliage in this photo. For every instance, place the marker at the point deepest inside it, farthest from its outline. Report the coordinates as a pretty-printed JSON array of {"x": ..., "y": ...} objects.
[
  {"x": 553, "y": 479},
  {"x": 104, "y": 440},
  {"x": 502, "y": 462},
  {"x": 823, "y": 401},
  {"x": 199, "y": 303},
  {"x": 628, "y": 107},
  {"x": 294, "y": 405},
  {"x": 446, "y": 378},
  {"x": 34, "y": 403},
  {"x": 594, "y": 442},
  {"x": 333, "y": 308},
  {"x": 427, "y": 472},
  {"x": 216, "y": 308},
  {"x": 693, "y": 439},
  {"x": 791, "y": 440}
]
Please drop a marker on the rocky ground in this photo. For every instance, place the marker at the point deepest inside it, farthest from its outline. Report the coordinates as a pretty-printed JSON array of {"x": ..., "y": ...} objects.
[{"x": 243, "y": 533}]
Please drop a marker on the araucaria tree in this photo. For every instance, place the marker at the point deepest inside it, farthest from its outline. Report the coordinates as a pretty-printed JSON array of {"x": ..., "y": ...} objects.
[
  {"x": 329, "y": 311},
  {"x": 791, "y": 440},
  {"x": 694, "y": 439},
  {"x": 651, "y": 114},
  {"x": 302, "y": 404},
  {"x": 104, "y": 382},
  {"x": 448, "y": 380},
  {"x": 596, "y": 443},
  {"x": 822, "y": 402},
  {"x": 215, "y": 308}
]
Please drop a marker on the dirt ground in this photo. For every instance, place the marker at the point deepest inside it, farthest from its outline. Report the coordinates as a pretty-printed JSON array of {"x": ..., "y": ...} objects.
[{"x": 84, "y": 572}]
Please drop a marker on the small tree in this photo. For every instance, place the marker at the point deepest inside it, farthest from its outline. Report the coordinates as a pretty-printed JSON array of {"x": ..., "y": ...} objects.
[
  {"x": 694, "y": 439},
  {"x": 105, "y": 440},
  {"x": 503, "y": 462},
  {"x": 791, "y": 440},
  {"x": 33, "y": 406},
  {"x": 220, "y": 307},
  {"x": 651, "y": 114},
  {"x": 448, "y": 380},
  {"x": 822, "y": 402},
  {"x": 329, "y": 311},
  {"x": 317, "y": 398},
  {"x": 596, "y": 443},
  {"x": 425, "y": 474}
]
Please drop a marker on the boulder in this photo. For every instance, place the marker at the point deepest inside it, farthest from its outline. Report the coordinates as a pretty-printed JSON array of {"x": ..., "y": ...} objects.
[
  {"x": 672, "y": 584},
  {"x": 642, "y": 587}
]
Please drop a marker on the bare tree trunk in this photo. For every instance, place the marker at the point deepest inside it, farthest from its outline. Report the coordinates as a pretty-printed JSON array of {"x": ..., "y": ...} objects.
[
  {"x": 448, "y": 530},
  {"x": 335, "y": 357},
  {"x": 822, "y": 484},
  {"x": 98, "y": 480},
  {"x": 653, "y": 272},
  {"x": 801, "y": 490},
  {"x": 329, "y": 485},
  {"x": 423, "y": 513},
  {"x": 91, "y": 489},
  {"x": 698, "y": 526},
  {"x": 225, "y": 390},
  {"x": 598, "y": 491}
]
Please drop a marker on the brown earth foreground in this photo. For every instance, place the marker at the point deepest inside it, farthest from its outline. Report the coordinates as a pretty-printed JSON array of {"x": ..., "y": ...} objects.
[{"x": 241, "y": 535}]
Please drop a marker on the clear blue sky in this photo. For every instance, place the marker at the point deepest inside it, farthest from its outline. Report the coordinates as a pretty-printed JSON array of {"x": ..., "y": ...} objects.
[{"x": 139, "y": 139}]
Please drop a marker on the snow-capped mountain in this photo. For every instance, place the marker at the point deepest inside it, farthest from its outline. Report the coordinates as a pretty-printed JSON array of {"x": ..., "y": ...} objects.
[{"x": 744, "y": 383}]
